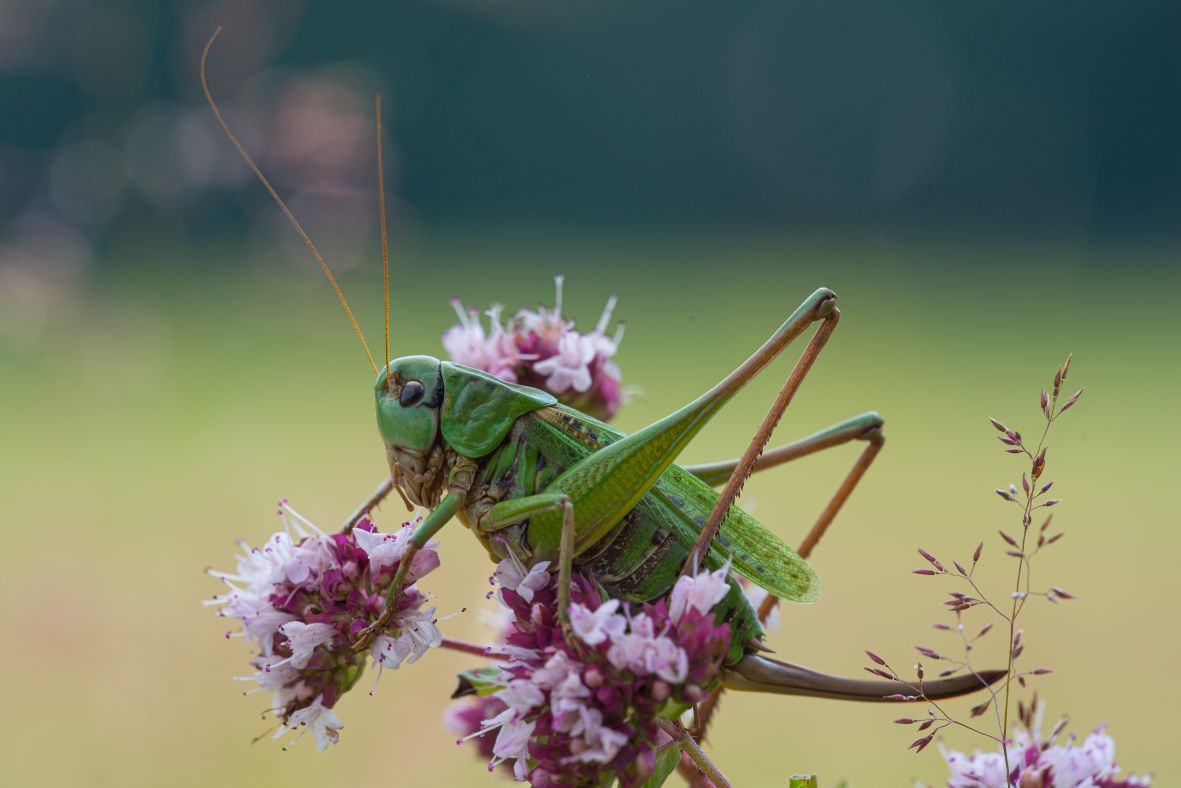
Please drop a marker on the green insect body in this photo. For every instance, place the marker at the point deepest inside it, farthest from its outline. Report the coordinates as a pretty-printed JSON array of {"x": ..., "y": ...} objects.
[
  {"x": 518, "y": 469},
  {"x": 450, "y": 428},
  {"x": 553, "y": 484},
  {"x": 640, "y": 558}
]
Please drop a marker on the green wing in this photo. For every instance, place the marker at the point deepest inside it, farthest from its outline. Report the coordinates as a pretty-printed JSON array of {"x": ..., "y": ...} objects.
[
  {"x": 758, "y": 555},
  {"x": 686, "y": 502}
]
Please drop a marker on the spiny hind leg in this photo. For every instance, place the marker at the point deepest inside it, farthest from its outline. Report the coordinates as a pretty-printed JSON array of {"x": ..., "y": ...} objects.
[
  {"x": 874, "y": 439},
  {"x": 738, "y": 471},
  {"x": 866, "y": 427},
  {"x": 745, "y": 465},
  {"x": 607, "y": 484}
]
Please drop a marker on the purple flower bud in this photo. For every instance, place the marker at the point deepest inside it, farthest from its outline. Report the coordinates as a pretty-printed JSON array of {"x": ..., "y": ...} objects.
[
  {"x": 1011, "y": 540},
  {"x": 1000, "y": 427},
  {"x": 932, "y": 559},
  {"x": 875, "y": 658},
  {"x": 979, "y": 550},
  {"x": 1039, "y": 463},
  {"x": 1070, "y": 402},
  {"x": 904, "y": 721}
]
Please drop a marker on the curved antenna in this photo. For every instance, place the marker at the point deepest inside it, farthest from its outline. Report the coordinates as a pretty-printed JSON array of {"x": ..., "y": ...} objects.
[
  {"x": 286, "y": 211},
  {"x": 385, "y": 251}
]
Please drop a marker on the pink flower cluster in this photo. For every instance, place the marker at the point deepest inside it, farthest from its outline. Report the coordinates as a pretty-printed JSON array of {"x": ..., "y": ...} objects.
[
  {"x": 542, "y": 349},
  {"x": 304, "y": 596},
  {"x": 570, "y": 709},
  {"x": 1043, "y": 764}
]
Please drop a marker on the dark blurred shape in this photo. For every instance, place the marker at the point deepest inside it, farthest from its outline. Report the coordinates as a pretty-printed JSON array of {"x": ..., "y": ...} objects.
[{"x": 923, "y": 116}]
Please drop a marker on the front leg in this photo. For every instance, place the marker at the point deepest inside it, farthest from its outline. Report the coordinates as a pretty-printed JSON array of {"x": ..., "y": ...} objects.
[{"x": 430, "y": 525}]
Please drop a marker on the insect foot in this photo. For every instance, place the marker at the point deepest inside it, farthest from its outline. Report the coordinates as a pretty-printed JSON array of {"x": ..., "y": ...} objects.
[
  {"x": 304, "y": 597},
  {"x": 826, "y": 302},
  {"x": 576, "y": 711}
]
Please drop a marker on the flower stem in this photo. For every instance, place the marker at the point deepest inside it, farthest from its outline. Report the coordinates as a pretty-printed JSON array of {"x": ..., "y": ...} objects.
[
  {"x": 471, "y": 648},
  {"x": 693, "y": 749},
  {"x": 1017, "y": 602}
]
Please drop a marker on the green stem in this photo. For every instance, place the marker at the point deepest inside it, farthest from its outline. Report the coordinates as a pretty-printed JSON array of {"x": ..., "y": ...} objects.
[{"x": 694, "y": 751}]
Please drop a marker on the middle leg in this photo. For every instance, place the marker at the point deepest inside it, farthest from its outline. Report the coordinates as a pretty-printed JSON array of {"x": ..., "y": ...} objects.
[
  {"x": 866, "y": 427},
  {"x": 860, "y": 427}
]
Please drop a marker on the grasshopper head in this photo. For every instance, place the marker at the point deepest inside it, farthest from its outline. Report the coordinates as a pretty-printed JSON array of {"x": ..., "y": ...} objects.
[{"x": 409, "y": 393}]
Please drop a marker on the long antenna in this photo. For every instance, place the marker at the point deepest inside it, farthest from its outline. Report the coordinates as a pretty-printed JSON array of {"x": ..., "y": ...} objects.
[
  {"x": 385, "y": 250},
  {"x": 286, "y": 211}
]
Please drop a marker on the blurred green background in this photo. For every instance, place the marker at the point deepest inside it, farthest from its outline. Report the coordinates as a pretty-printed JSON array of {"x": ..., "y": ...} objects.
[{"x": 986, "y": 189}]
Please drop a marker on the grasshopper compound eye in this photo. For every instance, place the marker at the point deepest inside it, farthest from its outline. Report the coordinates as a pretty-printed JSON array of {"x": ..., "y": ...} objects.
[{"x": 411, "y": 393}]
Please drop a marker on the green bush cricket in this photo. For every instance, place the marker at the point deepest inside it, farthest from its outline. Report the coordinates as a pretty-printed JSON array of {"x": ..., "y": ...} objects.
[{"x": 528, "y": 475}]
